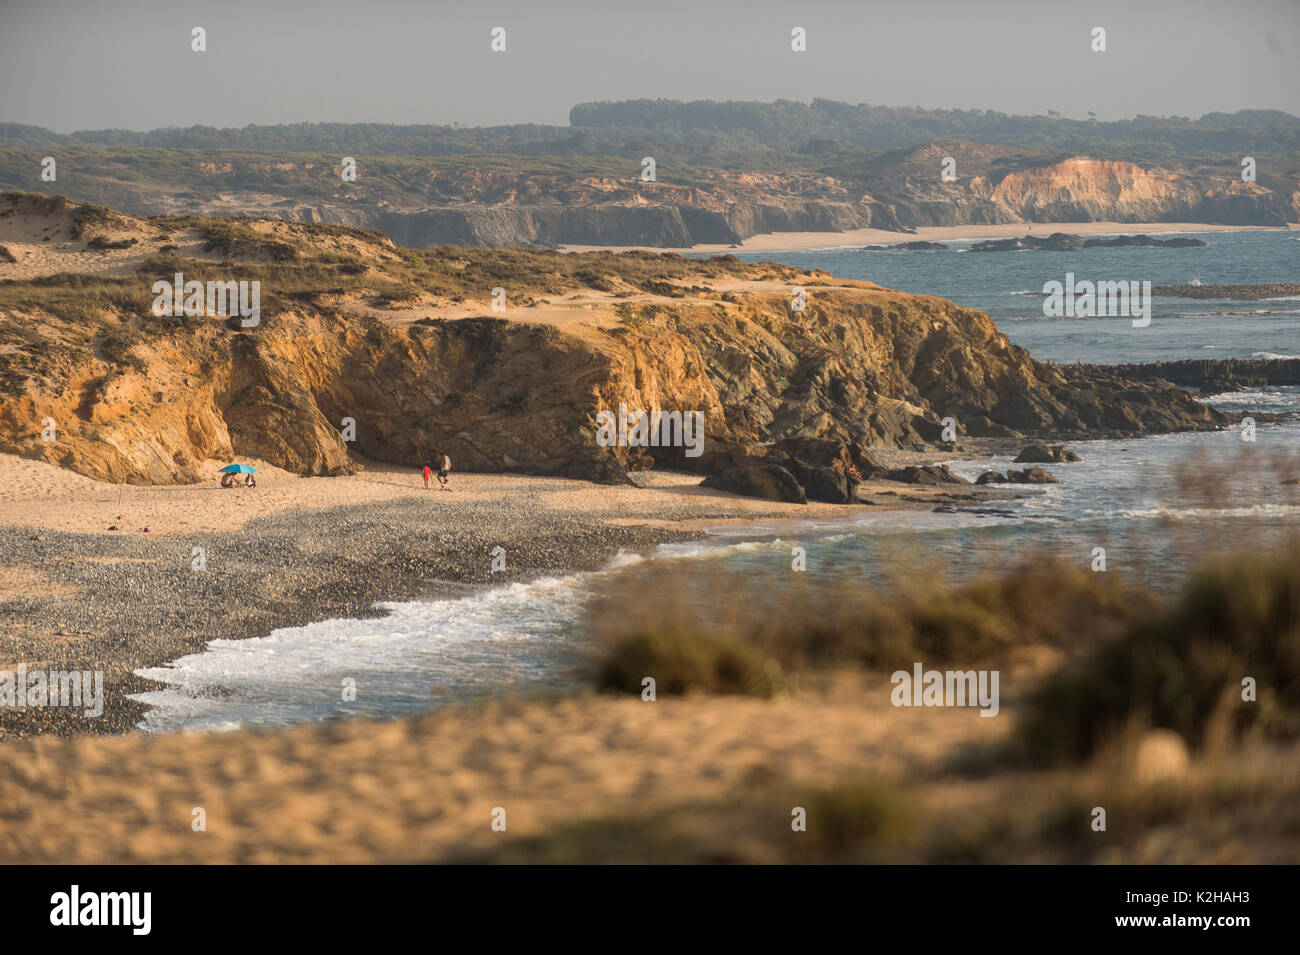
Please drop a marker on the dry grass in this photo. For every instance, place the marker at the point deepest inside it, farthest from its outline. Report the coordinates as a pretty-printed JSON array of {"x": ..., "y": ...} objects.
[
  {"x": 719, "y": 632},
  {"x": 1243, "y": 809},
  {"x": 1124, "y": 658},
  {"x": 1183, "y": 667}
]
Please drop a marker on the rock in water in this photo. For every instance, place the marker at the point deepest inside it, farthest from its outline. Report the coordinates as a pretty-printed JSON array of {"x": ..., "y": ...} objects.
[
  {"x": 1031, "y": 476},
  {"x": 1178, "y": 242},
  {"x": 931, "y": 474},
  {"x": 1046, "y": 454},
  {"x": 920, "y": 246},
  {"x": 1056, "y": 242}
]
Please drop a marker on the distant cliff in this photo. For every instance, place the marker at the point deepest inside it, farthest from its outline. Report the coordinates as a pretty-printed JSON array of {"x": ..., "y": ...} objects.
[
  {"x": 996, "y": 184},
  {"x": 550, "y": 201}
]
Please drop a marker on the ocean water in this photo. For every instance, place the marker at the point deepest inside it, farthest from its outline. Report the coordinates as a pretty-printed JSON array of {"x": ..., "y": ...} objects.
[
  {"x": 1155, "y": 504},
  {"x": 417, "y": 653},
  {"x": 1009, "y": 287}
]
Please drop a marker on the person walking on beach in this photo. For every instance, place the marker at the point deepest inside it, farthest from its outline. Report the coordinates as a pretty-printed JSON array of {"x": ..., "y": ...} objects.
[
  {"x": 428, "y": 473},
  {"x": 442, "y": 474}
]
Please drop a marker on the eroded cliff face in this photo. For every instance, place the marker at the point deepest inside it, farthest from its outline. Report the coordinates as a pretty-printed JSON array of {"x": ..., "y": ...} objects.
[
  {"x": 996, "y": 184},
  {"x": 907, "y": 196},
  {"x": 1082, "y": 189},
  {"x": 424, "y": 204},
  {"x": 402, "y": 349},
  {"x": 861, "y": 366}
]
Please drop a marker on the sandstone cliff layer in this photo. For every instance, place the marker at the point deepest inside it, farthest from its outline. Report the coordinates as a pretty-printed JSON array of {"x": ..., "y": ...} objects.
[{"x": 405, "y": 345}]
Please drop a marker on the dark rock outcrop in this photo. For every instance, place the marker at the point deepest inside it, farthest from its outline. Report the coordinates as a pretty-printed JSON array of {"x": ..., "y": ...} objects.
[
  {"x": 1027, "y": 476},
  {"x": 1241, "y": 293},
  {"x": 1063, "y": 242},
  {"x": 1056, "y": 242},
  {"x": 1119, "y": 241},
  {"x": 823, "y": 468},
  {"x": 907, "y": 247},
  {"x": 927, "y": 474},
  {"x": 1031, "y": 476},
  {"x": 820, "y": 483},
  {"x": 1211, "y": 375},
  {"x": 759, "y": 478},
  {"x": 1046, "y": 454}
]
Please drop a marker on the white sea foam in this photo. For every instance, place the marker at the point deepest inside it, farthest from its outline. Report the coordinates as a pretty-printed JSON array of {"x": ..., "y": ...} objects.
[{"x": 398, "y": 660}]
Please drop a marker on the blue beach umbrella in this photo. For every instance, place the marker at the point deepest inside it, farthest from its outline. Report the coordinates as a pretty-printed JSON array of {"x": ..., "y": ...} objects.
[{"x": 238, "y": 469}]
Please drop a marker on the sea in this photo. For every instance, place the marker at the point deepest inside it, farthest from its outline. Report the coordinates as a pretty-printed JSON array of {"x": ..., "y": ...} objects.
[{"x": 1152, "y": 506}]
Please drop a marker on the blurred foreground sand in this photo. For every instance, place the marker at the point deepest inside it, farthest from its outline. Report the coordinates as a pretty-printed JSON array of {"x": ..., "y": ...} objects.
[
  {"x": 604, "y": 779},
  {"x": 417, "y": 789}
]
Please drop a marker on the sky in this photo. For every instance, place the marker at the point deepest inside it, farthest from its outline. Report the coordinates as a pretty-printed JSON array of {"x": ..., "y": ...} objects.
[{"x": 94, "y": 64}]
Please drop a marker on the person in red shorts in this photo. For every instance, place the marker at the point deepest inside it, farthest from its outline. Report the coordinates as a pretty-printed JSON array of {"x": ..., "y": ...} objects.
[{"x": 428, "y": 473}]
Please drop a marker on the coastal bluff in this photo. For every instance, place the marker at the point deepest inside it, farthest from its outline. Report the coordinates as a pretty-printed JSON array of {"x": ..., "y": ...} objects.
[
  {"x": 552, "y": 201},
  {"x": 406, "y": 347}
]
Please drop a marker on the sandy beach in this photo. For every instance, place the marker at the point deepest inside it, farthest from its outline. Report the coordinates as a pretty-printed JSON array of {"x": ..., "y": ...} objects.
[
  {"x": 803, "y": 241},
  {"x": 101, "y": 576},
  {"x": 36, "y": 494}
]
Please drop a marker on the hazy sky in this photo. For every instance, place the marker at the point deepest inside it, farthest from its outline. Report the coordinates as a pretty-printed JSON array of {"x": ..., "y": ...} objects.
[{"x": 93, "y": 64}]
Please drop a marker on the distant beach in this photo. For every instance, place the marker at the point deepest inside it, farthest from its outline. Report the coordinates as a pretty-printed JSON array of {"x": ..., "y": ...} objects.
[{"x": 802, "y": 241}]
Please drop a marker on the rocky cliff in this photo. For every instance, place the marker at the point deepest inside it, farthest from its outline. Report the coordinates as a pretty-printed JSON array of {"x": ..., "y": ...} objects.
[
  {"x": 548, "y": 201},
  {"x": 406, "y": 345},
  {"x": 999, "y": 184}
]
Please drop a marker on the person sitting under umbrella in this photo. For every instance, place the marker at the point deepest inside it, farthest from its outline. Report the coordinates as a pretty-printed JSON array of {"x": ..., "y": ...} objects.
[{"x": 230, "y": 470}]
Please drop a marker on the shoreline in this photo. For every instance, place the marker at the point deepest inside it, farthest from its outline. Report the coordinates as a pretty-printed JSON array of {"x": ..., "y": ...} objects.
[
  {"x": 74, "y": 595},
  {"x": 810, "y": 241},
  {"x": 299, "y": 550}
]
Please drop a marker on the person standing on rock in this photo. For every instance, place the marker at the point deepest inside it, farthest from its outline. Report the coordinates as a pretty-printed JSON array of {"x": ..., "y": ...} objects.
[
  {"x": 442, "y": 474},
  {"x": 428, "y": 473}
]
